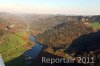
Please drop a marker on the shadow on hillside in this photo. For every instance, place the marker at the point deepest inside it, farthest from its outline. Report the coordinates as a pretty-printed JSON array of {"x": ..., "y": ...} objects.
[
  {"x": 19, "y": 61},
  {"x": 86, "y": 46},
  {"x": 88, "y": 42},
  {"x": 38, "y": 61}
]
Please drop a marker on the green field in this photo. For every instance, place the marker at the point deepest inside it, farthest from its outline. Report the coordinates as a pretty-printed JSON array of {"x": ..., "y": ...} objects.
[
  {"x": 95, "y": 25},
  {"x": 12, "y": 49}
]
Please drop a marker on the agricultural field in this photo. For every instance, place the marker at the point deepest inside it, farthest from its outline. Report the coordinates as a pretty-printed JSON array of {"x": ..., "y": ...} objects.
[{"x": 13, "y": 47}]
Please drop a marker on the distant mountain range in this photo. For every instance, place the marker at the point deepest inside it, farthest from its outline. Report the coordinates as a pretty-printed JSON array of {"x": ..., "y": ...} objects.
[
  {"x": 8, "y": 19},
  {"x": 40, "y": 22}
]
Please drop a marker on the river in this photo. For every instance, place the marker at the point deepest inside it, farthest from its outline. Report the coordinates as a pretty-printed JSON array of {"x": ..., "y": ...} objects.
[{"x": 34, "y": 52}]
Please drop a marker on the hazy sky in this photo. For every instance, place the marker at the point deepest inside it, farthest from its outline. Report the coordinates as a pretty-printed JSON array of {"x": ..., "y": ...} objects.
[{"x": 69, "y": 7}]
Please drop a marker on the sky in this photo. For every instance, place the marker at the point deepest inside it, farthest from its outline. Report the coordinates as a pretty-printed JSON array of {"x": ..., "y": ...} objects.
[{"x": 68, "y": 7}]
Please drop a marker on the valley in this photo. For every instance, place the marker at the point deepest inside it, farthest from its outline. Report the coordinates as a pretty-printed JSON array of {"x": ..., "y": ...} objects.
[{"x": 61, "y": 36}]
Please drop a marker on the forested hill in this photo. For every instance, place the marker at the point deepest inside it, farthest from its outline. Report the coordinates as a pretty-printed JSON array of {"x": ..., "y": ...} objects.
[
  {"x": 8, "y": 19},
  {"x": 63, "y": 34}
]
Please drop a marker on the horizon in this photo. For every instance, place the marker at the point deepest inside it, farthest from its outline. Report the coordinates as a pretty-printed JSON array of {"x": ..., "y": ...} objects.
[{"x": 65, "y": 7}]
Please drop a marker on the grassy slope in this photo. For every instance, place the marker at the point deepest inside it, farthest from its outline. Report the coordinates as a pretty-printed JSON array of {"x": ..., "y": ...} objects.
[
  {"x": 95, "y": 25},
  {"x": 13, "y": 48}
]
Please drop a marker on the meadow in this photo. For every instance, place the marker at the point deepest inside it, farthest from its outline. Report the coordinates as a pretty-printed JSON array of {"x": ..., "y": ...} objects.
[{"x": 14, "y": 47}]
